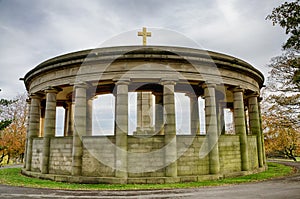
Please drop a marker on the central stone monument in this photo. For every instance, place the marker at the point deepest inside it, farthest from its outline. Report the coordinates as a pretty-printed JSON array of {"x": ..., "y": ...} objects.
[{"x": 154, "y": 153}]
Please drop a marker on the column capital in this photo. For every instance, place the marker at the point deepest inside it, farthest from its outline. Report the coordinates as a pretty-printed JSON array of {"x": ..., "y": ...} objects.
[
  {"x": 254, "y": 94},
  {"x": 209, "y": 90},
  {"x": 35, "y": 96},
  {"x": 238, "y": 89},
  {"x": 208, "y": 85},
  {"x": 81, "y": 84},
  {"x": 122, "y": 81},
  {"x": 51, "y": 89},
  {"x": 168, "y": 81}
]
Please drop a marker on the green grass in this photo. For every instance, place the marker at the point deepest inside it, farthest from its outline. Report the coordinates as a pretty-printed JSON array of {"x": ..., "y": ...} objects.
[{"x": 12, "y": 176}]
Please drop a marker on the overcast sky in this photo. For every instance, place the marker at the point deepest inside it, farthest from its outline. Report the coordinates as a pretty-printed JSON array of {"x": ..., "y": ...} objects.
[{"x": 32, "y": 31}]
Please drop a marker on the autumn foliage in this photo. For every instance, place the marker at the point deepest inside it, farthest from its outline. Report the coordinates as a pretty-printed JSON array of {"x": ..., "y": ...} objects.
[
  {"x": 13, "y": 136},
  {"x": 282, "y": 137},
  {"x": 281, "y": 105}
]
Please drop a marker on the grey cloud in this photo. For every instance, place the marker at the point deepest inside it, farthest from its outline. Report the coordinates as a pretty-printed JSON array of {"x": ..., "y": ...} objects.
[{"x": 32, "y": 31}]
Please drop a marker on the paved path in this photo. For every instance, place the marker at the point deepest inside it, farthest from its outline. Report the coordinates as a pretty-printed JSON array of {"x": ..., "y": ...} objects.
[{"x": 287, "y": 187}]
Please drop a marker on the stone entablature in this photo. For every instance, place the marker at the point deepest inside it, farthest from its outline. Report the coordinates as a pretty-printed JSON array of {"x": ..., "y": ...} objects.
[
  {"x": 64, "y": 70},
  {"x": 73, "y": 80}
]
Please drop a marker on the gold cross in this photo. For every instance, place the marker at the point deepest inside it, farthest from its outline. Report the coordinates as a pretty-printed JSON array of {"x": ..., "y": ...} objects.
[{"x": 145, "y": 34}]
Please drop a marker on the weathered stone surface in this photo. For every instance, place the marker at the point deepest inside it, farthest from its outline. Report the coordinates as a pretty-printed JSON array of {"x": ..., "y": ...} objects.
[
  {"x": 155, "y": 153},
  {"x": 60, "y": 161}
]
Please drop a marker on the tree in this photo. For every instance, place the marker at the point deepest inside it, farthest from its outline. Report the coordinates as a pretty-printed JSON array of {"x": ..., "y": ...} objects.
[
  {"x": 282, "y": 102},
  {"x": 287, "y": 16},
  {"x": 281, "y": 134},
  {"x": 12, "y": 137},
  {"x": 284, "y": 93},
  {"x": 4, "y": 122}
]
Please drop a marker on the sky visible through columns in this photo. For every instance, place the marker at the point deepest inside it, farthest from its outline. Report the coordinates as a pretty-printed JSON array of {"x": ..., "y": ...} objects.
[{"x": 103, "y": 115}]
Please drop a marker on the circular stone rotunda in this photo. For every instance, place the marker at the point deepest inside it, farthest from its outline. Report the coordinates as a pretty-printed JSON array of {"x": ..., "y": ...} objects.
[{"x": 154, "y": 152}]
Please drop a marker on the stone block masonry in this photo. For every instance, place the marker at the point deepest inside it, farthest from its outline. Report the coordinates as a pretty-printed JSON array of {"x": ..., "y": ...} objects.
[
  {"x": 36, "y": 154},
  {"x": 156, "y": 152},
  {"x": 99, "y": 157},
  {"x": 60, "y": 161}
]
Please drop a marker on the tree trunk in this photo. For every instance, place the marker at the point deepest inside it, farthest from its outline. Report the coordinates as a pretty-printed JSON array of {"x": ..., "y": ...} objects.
[{"x": 8, "y": 158}]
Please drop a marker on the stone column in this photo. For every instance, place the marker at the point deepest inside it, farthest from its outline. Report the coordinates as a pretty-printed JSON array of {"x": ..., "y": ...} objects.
[
  {"x": 66, "y": 122},
  {"x": 42, "y": 120},
  {"x": 194, "y": 114},
  {"x": 221, "y": 120},
  {"x": 80, "y": 118},
  {"x": 170, "y": 128},
  {"x": 240, "y": 126},
  {"x": 33, "y": 130},
  {"x": 246, "y": 120},
  {"x": 121, "y": 128},
  {"x": 49, "y": 128},
  {"x": 34, "y": 127},
  {"x": 212, "y": 127},
  {"x": 261, "y": 130},
  {"x": 89, "y": 114},
  {"x": 255, "y": 125},
  {"x": 159, "y": 114},
  {"x": 71, "y": 106}
]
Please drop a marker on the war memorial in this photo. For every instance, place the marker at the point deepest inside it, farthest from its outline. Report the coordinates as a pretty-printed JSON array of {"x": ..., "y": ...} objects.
[{"x": 155, "y": 152}]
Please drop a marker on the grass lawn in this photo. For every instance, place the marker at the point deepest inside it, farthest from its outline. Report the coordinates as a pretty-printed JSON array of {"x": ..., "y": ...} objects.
[{"x": 12, "y": 176}]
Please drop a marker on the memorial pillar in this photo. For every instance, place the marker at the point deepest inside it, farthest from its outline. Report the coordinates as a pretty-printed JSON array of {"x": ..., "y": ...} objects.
[
  {"x": 254, "y": 124},
  {"x": 211, "y": 122},
  {"x": 170, "y": 128},
  {"x": 71, "y": 106},
  {"x": 42, "y": 120},
  {"x": 246, "y": 120},
  {"x": 34, "y": 127},
  {"x": 121, "y": 128},
  {"x": 89, "y": 114},
  {"x": 159, "y": 114},
  {"x": 49, "y": 127},
  {"x": 240, "y": 126},
  {"x": 144, "y": 113},
  {"x": 194, "y": 114},
  {"x": 139, "y": 111},
  {"x": 221, "y": 120},
  {"x": 80, "y": 118},
  {"x": 259, "y": 99},
  {"x": 66, "y": 122}
]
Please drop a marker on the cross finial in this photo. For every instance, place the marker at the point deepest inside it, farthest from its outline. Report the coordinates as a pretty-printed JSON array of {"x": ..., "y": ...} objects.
[{"x": 144, "y": 34}]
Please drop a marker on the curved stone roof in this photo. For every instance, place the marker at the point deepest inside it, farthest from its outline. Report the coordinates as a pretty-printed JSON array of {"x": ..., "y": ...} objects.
[{"x": 146, "y": 53}]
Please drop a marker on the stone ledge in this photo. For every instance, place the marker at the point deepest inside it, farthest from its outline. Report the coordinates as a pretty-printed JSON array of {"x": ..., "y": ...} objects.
[{"x": 142, "y": 180}]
